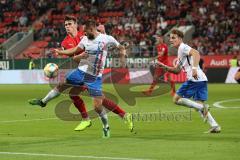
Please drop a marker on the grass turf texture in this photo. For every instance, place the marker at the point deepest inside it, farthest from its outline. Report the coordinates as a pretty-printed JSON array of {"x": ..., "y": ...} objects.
[{"x": 39, "y": 131}]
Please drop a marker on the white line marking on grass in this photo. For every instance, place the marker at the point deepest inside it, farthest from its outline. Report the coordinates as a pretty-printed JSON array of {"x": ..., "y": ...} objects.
[
  {"x": 114, "y": 115},
  {"x": 218, "y": 103},
  {"x": 28, "y": 120},
  {"x": 67, "y": 156}
]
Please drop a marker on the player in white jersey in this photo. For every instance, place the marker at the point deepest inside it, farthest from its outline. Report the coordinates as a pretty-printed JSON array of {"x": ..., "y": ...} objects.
[
  {"x": 90, "y": 69},
  {"x": 196, "y": 85}
]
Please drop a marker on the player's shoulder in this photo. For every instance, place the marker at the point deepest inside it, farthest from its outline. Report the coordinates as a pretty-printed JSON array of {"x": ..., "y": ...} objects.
[
  {"x": 65, "y": 41},
  {"x": 184, "y": 49},
  {"x": 183, "y": 46},
  {"x": 84, "y": 39},
  {"x": 104, "y": 35},
  {"x": 81, "y": 34}
]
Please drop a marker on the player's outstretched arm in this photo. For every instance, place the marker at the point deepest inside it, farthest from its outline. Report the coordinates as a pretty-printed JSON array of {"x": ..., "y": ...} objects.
[
  {"x": 78, "y": 57},
  {"x": 175, "y": 70},
  {"x": 68, "y": 52}
]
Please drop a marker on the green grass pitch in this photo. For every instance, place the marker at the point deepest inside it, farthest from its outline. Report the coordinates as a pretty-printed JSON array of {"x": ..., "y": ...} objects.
[{"x": 28, "y": 132}]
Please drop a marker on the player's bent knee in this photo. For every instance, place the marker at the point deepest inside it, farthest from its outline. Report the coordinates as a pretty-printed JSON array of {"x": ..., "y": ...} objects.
[
  {"x": 97, "y": 102},
  {"x": 176, "y": 98}
]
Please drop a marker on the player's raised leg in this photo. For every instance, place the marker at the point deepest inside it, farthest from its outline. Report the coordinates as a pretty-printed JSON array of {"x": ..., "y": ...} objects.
[{"x": 43, "y": 102}]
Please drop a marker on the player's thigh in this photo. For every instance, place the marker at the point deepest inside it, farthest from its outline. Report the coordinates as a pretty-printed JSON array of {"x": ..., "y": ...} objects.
[
  {"x": 158, "y": 71},
  {"x": 95, "y": 87},
  {"x": 168, "y": 75},
  {"x": 158, "y": 74},
  {"x": 62, "y": 86},
  {"x": 75, "y": 77},
  {"x": 97, "y": 101},
  {"x": 187, "y": 89},
  {"x": 201, "y": 91}
]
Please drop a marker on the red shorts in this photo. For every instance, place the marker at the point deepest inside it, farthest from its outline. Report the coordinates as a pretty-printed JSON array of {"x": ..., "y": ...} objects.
[{"x": 158, "y": 71}]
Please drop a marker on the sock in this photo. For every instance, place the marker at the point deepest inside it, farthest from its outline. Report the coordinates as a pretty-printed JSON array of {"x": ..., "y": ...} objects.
[
  {"x": 172, "y": 86},
  {"x": 211, "y": 121},
  {"x": 80, "y": 105},
  {"x": 51, "y": 95},
  {"x": 189, "y": 103},
  {"x": 103, "y": 115},
  {"x": 110, "y": 105}
]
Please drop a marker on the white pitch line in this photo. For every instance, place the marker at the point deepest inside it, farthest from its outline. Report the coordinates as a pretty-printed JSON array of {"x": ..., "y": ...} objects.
[
  {"x": 114, "y": 115},
  {"x": 218, "y": 103},
  {"x": 67, "y": 156},
  {"x": 28, "y": 120}
]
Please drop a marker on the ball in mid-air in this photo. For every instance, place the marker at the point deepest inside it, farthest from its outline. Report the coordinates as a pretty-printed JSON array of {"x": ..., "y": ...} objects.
[{"x": 51, "y": 70}]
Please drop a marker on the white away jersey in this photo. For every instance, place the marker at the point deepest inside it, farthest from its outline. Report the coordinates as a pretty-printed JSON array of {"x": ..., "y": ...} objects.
[
  {"x": 97, "y": 53},
  {"x": 186, "y": 62}
]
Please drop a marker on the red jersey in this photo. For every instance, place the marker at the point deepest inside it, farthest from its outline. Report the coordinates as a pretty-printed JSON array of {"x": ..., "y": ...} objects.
[
  {"x": 70, "y": 42},
  {"x": 162, "y": 48}
]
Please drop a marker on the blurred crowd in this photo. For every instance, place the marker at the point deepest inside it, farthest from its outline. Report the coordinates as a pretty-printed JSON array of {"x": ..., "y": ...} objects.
[
  {"x": 17, "y": 15},
  {"x": 217, "y": 26},
  {"x": 217, "y": 23}
]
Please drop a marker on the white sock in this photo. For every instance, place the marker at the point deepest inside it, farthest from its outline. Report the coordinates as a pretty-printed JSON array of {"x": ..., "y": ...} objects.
[
  {"x": 104, "y": 118},
  {"x": 189, "y": 103},
  {"x": 211, "y": 121},
  {"x": 51, "y": 95}
]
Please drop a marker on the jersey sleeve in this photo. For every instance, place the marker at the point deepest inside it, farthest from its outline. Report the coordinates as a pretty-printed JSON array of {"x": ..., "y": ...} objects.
[
  {"x": 186, "y": 49},
  {"x": 183, "y": 54},
  {"x": 82, "y": 43},
  {"x": 112, "y": 40}
]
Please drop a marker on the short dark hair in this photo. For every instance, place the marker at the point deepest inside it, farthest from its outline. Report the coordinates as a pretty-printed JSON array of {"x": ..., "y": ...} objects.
[
  {"x": 178, "y": 33},
  {"x": 69, "y": 18},
  {"x": 90, "y": 23}
]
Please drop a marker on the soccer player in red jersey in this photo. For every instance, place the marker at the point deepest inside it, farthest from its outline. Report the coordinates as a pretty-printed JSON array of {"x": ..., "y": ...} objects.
[
  {"x": 162, "y": 50},
  {"x": 71, "y": 40}
]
